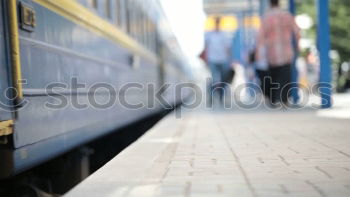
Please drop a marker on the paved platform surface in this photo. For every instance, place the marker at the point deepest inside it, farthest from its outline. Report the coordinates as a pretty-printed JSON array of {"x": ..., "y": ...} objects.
[{"x": 253, "y": 154}]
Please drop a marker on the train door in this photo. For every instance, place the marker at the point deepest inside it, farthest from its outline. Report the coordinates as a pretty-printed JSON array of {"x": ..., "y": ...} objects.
[{"x": 5, "y": 102}]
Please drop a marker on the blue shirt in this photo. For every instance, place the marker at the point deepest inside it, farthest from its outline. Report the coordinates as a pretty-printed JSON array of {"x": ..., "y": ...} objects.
[{"x": 217, "y": 46}]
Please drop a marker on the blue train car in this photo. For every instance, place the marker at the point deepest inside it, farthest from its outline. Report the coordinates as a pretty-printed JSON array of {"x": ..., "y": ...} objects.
[{"x": 77, "y": 47}]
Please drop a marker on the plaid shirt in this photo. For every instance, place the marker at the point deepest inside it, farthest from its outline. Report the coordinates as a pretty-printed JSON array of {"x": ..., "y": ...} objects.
[{"x": 276, "y": 34}]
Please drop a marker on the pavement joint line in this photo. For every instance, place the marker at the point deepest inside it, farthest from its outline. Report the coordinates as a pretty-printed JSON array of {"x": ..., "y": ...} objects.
[
  {"x": 130, "y": 189},
  {"x": 284, "y": 160},
  {"x": 249, "y": 184},
  {"x": 321, "y": 143},
  {"x": 188, "y": 188},
  {"x": 296, "y": 152},
  {"x": 171, "y": 146},
  {"x": 323, "y": 171},
  {"x": 317, "y": 189},
  {"x": 284, "y": 189}
]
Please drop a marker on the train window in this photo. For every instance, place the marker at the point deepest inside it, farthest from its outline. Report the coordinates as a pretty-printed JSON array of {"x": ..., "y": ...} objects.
[
  {"x": 136, "y": 25},
  {"x": 149, "y": 29},
  {"x": 143, "y": 28},
  {"x": 92, "y": 4},
  {"x": 130, "y": 17},
  {"x": 133, "y": 21},
  {"x": 145, "y": 33},
  {"x": 139, "y": 25},
  {"x": 127, "y": 17},
  {"x": 108, "y": 10},
  {"x": 117, "y": 13},
  {"x": 148, "y": 33},
  {"x": 152, "y": 36},
  {"x": 120, "y": 14},
  {"x": 155, "y": 41}
]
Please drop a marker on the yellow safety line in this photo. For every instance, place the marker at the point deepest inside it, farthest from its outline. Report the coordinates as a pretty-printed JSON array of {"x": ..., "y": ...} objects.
[
  {"x": 15, "y": 51},
  {"x": 83, "y": 16},
  {"x": 6, "y": 127}
]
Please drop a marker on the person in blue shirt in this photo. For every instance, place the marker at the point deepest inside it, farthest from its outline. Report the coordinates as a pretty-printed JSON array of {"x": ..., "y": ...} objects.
[{"x": 217, "y": 47}]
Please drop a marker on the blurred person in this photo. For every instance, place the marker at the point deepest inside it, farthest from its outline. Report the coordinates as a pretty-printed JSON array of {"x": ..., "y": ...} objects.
[
  {"x": 278, "y": 28},
  {"x": 313, "y": 67},
  {"x": 217, "y": 49},
  {"x": 243, "y": 43},
  {"x": 302, "y": 70},
  {"x": 261, "y": 69}
]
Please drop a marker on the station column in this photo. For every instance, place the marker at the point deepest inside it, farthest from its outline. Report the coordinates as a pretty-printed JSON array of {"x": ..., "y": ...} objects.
[
  {"x": 295, "y": 74},
  {"x": 262, "y": 7},
  {"x": 324, "y": 47}
]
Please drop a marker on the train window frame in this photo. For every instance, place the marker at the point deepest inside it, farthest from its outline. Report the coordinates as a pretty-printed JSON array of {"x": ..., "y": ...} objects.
[
  {"x": 153, "y": 35},
  {"x": 139, "y": 30},
  {"x": 142, "y": 25},
  {"x": 92, "y": 4},
  {"x": 117, "y": 13},
  {"x": 146, "y": 32},
  {"x": 132, "y": 19},
  {"x": 127, "y": 18},
  {"x": 137, "y": 23},
  {"x": 144, "y": 28},
  {"x": 123, "y": 12},
  {"x": 150, "y": 35},
  {"x": 120, "y": 14},
  {"x": 107, "y": 5}
]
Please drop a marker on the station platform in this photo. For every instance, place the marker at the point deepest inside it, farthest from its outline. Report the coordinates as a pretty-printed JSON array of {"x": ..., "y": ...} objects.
[{"x": 237, "y": 153}]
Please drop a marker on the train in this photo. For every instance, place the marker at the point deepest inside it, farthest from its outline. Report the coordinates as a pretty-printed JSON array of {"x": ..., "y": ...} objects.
[{"x": 98, "y": 44}]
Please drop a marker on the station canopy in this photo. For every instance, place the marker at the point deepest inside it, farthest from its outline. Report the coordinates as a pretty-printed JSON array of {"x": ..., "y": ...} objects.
[
  {"x": 224, "y": 7},
  {"x": 228, "y": 10}
]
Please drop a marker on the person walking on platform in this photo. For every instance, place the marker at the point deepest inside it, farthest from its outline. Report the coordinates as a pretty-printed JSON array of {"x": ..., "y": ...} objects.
[
  {"x": 277, "y": 30},
  {"x": 261, "y": 68},
  {"x": 217, "y": 48}
]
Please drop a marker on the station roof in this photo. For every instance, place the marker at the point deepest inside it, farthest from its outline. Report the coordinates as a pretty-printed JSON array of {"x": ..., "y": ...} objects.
[
  {"x": 233, "y": 7},
  {"x": 223, "y": 7}
]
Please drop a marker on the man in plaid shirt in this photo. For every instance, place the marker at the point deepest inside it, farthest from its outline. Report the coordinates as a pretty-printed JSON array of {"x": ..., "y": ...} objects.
[{"x": 276, "y": 34}]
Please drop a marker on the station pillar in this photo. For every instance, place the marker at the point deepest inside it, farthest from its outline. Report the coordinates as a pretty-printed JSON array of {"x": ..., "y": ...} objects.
[
  {"x": 262, "y": 7},
  {"x": 295, "y": 74},
  {"x": 323, "y": 42},
  {"x": 292, "y": 6}
]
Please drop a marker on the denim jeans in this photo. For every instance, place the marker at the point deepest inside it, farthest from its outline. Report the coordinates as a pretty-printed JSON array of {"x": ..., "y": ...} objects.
[{"x": 217, "y": 87}]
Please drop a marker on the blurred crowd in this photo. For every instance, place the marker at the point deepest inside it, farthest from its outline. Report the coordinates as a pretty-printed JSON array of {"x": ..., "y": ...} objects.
[{"x": 267, "y": 56}]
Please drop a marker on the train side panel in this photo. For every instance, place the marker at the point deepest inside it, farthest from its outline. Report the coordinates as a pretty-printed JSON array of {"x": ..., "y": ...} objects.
[
  {"x": 64, "y": 47},
  {"x": 57, "y": 51}
]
